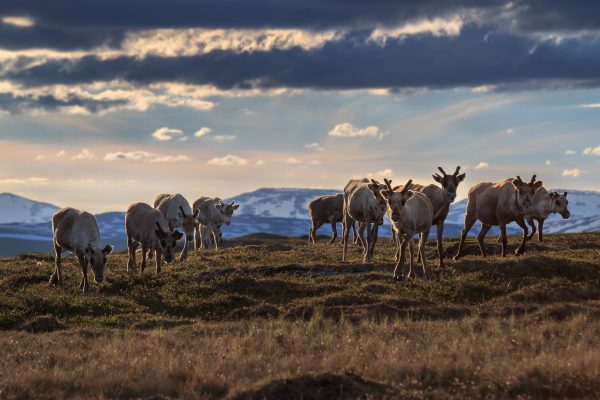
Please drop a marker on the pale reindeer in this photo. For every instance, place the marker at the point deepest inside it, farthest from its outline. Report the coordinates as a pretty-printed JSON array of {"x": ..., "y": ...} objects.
[
  {"x": 440, "y": 198},
  {"x": 327, "y": 210},
  {"x": 212, "y": 214},
  {"x": 77, "y": 231},
  {"x": 363, "y": 203},
  {"x": 498, "y": 204},
  {"x": 179, "y": 214},
  {"x": 411, "y": 213},
  {"x": 149, "y": 228},
  {"x": 545, "y": 203}
]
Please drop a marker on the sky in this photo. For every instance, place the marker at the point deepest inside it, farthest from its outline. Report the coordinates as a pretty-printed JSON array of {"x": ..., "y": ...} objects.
[{"x": 105, "y": 103}]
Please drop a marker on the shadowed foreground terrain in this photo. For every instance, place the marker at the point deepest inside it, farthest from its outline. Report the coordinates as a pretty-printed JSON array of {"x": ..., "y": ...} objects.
[{"x": 275, "y": 318}]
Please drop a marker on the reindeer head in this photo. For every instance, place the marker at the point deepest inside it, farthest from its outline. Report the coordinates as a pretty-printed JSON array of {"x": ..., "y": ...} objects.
[
  {"x": 97, "y": 259},
  {"x": 226, "y": 210},
  {"x": 376, "y": 188},
  {"x": 189, "y": 220},
  {"x": 449, "y": 182},
  {"x": 167, "y": 242},
  {"x": 526, "y": 191},
  {"x": 560, "y": 204},
  {"x": 396, "y": 201}
]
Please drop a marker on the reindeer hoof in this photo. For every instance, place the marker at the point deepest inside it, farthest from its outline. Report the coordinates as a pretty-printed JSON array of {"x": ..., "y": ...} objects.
[
  {"x": 398, "y": 278},
  {"x": 53, "y": 280}
]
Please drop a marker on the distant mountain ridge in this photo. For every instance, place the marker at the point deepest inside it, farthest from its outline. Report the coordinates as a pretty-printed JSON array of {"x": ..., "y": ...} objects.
[{"x": 25, "y": 224}]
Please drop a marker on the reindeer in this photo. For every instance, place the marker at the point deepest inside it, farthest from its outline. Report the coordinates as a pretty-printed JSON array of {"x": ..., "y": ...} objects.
[
  {"x": 178, "y": 212},
  {"x": 363, "y": 203},
  {"x": 544, "y": 204},
  {"x": 77, "y": 231},
  {"x": 411, "y": 213},
  {"x": 440, "y": 198},
  {"x": 149, "y": 228},
  {"x": 212, "y": 213},
  {"x": 499, "y": 204},
  {"x": 326, "y": 209}
]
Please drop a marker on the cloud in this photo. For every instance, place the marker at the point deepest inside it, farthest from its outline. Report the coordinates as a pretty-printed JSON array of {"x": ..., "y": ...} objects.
[
  {"x": 224, "y": 138},
  {"x": 85, "y": 154},
  {"x": 228, "y": 160},
  {"x": 510, "y": 131},
  {"x": 143, "y": 156},
  {"x": 570, "y": 152},
  {"x": 385, "y": 173},
  {"x": 482, "y": 165},
  {"x": 591, "y": 105},
  {"x": 314, "y": 146},
  {"x": 202, "y": 131},
  {"x": 573, "y": 172},
  {"x": 167, "y": 133},
  {"x": 35, "y": 180},
  {"x": 61, "y": 153},
  {"x": 40, "y": 157},
  {"x": 588, "y": 151},
  {"x": 22, "y": 22},
  {"x": 548, "y": 162},
  {"x": 437, "y": 27},
  {"x": 348, "y": 130},
  {"x": 260, "y": 162},
  {"x": 293, "y": 161}
]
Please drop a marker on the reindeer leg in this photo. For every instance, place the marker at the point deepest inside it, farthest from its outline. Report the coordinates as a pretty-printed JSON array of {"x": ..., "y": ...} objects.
[
  {"x": 334, "y": 229},
  {"x": 354, "y": 237},
  {"x": 521, "y": 249},
  {"x": 440, "y": 238},
  {"x": 422, "y": 242},
  {"x": 411, "y": 259},
  {"x": 401, "y": 246},
  {"x": 144, "y": 256},
  {"x": 469, "y": 222},
  {"x": 55, "y": 278},
  {"x": 367, "y": 248},
  {"x": 541, "y": 230},
  {"x": 197, "y": 237},
  {"x": 158, "y": 260},
  {"x": 531, "y": 223},
  {"x": 480, "y": 238},
  {"x": 83, "y": 263},
  {"x": 503, "y": 239},
  {"x": 361, "y": 230},
  {"x": 346, "y": 232},
  {"x": 184, "y": 251},
  {"x": 132, "y": 246}
]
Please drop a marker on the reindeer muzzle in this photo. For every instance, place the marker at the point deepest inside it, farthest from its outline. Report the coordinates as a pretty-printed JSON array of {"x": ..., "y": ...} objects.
[
  {"x": 566, "y": 215},
  {"x": 189, "y": 238},
  {"x": 98, "y": 279}
]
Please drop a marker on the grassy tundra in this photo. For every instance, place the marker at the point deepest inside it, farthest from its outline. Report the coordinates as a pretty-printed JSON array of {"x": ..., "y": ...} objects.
[{"x": 277, "y": 318}]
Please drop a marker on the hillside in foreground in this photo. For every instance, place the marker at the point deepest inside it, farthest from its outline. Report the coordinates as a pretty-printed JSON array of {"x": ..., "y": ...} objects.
[{"x": 271, "y": 317}]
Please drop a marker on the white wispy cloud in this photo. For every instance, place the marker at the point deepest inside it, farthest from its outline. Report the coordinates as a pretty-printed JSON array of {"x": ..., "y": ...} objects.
[
  {"x": 314, "y": 146},
  {"x": 224, "y": 138},
  {"x": 591, "y": 105},
  {"x": 144, "y": 156},
  {"x": 572, "y": 172},
  {"x": 260, "y": 162},
  {"x": 450, "y": 26},
  {"x": 202, "y": 131},
  {"x": 34, "y": 180},
  {"x": 228, "y": 161},
  {"x": 570, "y": 152},
  {"x": 589, "y": 151},
  {"x": 85, "y": 154},
  {"x": 293, "y": 161},
  {"x": 40, "y": 157},
  {"x": 384, "y": 173},
  {"x": 348, "y": 130},
  {"x": 509, "y": 131},
  {"x": 165, "y": 133},
  {"x": 482, "y": 165},
  {"x": 22, "y": 22}
]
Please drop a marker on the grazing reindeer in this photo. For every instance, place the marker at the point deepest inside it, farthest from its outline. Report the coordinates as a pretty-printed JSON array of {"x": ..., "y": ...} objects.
[
  {"x": 326, "y": 210},
  {"x": 544, "y": 204},
  {"x": 77, "y": 231},
  {"x": 363, "y": 203},
  {"x": 411, "y": 213},
  {"x": 178, "y": 212},
  {"x": 149, "y": 228},
  {"x": 499, "y": 204},
  {"x": 440, "y": 198},
  {"x": 212, "y": 213}
]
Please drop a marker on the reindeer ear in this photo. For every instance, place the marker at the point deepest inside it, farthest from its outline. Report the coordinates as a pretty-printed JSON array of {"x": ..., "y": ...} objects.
[
  {"x": 537, "y": 185},
  {"x": 409, "y": 194},
  {"x": 386, "y": 194},
  {"x": 565, "y": 194},
  {"x": 218, "y": 205},
  {"x": 554, "y": 195},
  {"x": 178, "y": 235},
  {"x": 196, "y": 213},
  {"x": 160, "y": 233},
  {"x": 235, "y": 206},
  {"x": 107, "y": 249},
  {"x": 461, "y": 177},
  {"x": 374, "y": 188},
  {"x": 437, "y": 178},
  {"x": 516, "y": 183}
]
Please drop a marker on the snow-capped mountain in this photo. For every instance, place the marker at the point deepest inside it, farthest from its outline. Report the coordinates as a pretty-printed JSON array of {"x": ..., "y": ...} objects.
[
  {"x": 15, "y": 208},
  {"x": 25, "y": 224},
  {"x": 278, "y": 203}
]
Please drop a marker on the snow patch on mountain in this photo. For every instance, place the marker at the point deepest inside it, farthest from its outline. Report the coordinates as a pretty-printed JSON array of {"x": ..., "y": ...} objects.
[{"x": 17, "y": 209}]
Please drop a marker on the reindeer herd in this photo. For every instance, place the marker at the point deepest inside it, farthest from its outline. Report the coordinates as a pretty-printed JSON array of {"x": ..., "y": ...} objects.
[{"x": 412, "y": 209}]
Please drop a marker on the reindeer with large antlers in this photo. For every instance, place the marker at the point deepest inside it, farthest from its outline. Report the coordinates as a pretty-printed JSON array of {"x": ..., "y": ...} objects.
[
  {"x": 212, "y": 214},
  {"x": 499, "y": 204},
  {"x": 179, "y": 214},
  {"x": 363, "y": 203},
  {"x": 411, "y": 213},
  {"x": 440, "y": 198}
]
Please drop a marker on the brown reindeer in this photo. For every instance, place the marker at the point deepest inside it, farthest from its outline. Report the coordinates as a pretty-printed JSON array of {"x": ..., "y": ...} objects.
[
  {"x": 326, "y": 210},
  {"x": 499, "y": 204},
  {"x": 440, "y": 198},
  {"x": 411, "y": 213},
  {"x": 363, "y": 203}
]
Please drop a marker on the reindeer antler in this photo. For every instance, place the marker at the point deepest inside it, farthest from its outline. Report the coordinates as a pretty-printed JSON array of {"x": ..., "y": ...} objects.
[
  {"x": 533, "y": 179},
  {"x": 519, "y": 180},
  {"x": 407, "y": 186},
  {"x": 442, "y": 171},
  {"x": 388, "y": 183},
  {"x": 457, "y": 170}
]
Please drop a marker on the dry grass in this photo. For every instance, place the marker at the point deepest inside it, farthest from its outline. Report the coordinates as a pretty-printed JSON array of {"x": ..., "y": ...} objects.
[{"x": 279, "y": 319}]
